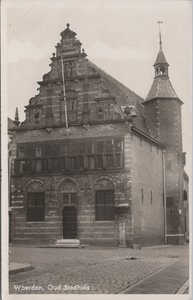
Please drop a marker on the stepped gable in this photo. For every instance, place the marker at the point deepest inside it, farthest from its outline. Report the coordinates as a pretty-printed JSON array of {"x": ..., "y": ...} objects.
[{"x": 86, "y": 84}]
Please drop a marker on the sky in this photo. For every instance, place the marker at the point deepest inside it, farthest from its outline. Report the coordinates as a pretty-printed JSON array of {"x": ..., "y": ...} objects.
[{"x": 121, "y": 37}]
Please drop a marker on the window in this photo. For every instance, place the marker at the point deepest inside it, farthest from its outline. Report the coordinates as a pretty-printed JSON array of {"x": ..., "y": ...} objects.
[
  {"x": 45, "y": 164},
  {"x": 72, "y": 105},
  {"x": 21, "y": 152},
  {"x": 99, "y": 147},
  {"x": 73, "y": 163},
  {"x": 38, "y": 165},
  {"x": 28, "y": 165},
  {"x": 21, "y": 166},
  {"x": 35, "y": 207},
  {"x": 169, "y": 202},
  {"x": 91, "y": 162},
  {"x": 55, "y": 164},
  {"x": 63, "y": 163},
  {"x": 81, "y": 162},
  {"x": 36, "y": 116},
  {"x": 90, "y": 147},
  {"x": 109, "y": 161},
  {"x": 55, "y": 150},
  {"x": 46, "y": 150},
  {"x": 85, "y": 154},
  {"x": 38, "y": 151},
  {"x": 104, "y": 205},
  {"x": 151, "y": 197},
  {"x": 63, "y": 149},
  {"x": 142, "y": 196},
  {"x": 118, "y": 145},
  {"x": 30, "y": 151},
  {"x": 100, "y": 112},
  {"x": 185, "y": 195},
  {"x": 118, "y": 160},
  {"x": 99, "y": 161},
  {"x": 109, "y": 146},
  {"x": 72, "y": 148},
  {"x": 82, "y": 148}
]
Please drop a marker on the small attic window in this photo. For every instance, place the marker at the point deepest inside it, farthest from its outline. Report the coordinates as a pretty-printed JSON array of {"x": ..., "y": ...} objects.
[
  {"x": 100, "y": 111},
  {"x": 36, "y": 116}
]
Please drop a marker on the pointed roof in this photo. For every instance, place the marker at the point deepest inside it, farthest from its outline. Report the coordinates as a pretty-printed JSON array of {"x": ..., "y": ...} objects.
[
  {"x": 161, "y": 88},
  {"x": 124, "y": 97},
  {"x": 161, "y": 59}
]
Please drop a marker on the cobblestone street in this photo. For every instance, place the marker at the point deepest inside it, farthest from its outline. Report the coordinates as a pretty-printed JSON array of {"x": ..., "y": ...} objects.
[{"x": 89, "y": 270}]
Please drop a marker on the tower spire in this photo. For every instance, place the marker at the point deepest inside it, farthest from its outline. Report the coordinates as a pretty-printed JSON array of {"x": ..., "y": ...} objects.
[
  {"x": 16, "y": 121},
  {"x": 160, "y": 35}
]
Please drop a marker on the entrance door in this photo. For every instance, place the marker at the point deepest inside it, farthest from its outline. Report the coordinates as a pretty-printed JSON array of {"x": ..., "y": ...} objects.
[{"x": 69, "y": 222}]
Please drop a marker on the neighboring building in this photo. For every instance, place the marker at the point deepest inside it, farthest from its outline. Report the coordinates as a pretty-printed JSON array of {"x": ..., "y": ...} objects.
[
  {"x": 109, "y": 171},
  {"x": 11, "y": 126},
  {"x": 186, "y": 204}
]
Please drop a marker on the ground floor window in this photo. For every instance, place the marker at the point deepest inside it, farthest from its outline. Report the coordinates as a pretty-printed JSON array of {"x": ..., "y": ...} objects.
[
  {"x": 104, "y": 205},
  {"x": 36, "y": 210}
]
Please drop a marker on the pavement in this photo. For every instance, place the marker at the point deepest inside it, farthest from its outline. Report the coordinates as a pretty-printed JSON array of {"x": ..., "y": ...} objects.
[
  {"x": 92, "y": 270},
  {"x": 19, "y": 267}
]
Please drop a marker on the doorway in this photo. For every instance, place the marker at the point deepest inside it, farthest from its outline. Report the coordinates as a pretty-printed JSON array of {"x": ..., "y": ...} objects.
[{"x": 69, "y": 222}]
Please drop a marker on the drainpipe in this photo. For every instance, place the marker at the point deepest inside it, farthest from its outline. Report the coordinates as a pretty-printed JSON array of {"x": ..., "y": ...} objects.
[{"x": 164, "y": 196}]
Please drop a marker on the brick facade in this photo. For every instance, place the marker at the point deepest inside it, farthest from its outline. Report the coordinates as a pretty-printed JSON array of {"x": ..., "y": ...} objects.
[{"x": 90, "y": 146}]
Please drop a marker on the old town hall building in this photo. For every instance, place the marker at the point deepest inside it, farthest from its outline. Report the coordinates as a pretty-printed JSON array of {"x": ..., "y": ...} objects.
[{"x": 95, "y": 163}]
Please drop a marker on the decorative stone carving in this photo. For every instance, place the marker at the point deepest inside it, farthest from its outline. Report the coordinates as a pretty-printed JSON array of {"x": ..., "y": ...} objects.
[
  {"x": 104, "y": 183},
  {"x": 35, "y": 185},
  {"x": 68, "y": 186},
  {"x": 35, "y": 133},
  {"x": 106, "y": 128},
  {"x": 68, "y": 131}
]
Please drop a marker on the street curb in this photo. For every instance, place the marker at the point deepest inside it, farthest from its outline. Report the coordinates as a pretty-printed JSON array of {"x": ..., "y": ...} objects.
[
  {"x": 183, "y": 288},
  {"x": 24, "y": 268}
]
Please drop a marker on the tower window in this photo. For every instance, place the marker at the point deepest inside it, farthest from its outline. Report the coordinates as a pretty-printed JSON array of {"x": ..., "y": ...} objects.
[
  {"x": 169, "y": 202},
  {"x": 151, "y": 197},
  {"x": 142, "y": 196}
]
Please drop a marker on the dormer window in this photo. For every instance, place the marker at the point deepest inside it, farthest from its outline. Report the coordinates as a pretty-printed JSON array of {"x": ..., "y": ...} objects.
[
  {"x": 36, "y": 116},
  {"x": 100, "y": 112}
]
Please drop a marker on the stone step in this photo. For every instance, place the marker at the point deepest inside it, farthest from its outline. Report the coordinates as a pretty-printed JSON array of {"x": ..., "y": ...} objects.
[{"x": 68, "y": 243}]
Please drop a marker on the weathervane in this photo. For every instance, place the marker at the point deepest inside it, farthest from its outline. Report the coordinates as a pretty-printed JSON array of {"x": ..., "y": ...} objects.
[{"x": 160, "y": 36}]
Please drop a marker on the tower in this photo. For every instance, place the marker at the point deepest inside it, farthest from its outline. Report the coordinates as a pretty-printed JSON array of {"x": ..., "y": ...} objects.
[{"x": 163, "y": 111}]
